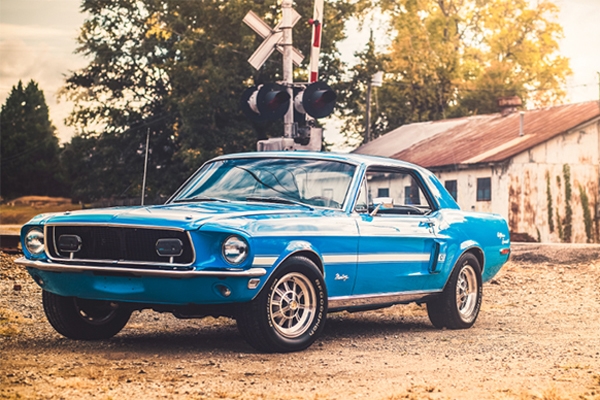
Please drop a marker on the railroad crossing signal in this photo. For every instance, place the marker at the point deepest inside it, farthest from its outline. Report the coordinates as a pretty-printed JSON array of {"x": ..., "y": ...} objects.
[
  {"x": 265, "y": 102},
  {"x": 273, "y": 38}
]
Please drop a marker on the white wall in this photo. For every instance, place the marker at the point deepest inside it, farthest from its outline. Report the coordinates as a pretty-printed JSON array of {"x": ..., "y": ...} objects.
[{"x": 520, "y": 188}]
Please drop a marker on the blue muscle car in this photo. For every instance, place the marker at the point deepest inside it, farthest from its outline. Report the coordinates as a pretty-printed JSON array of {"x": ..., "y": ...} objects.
[{"x": 275, "y": 240}]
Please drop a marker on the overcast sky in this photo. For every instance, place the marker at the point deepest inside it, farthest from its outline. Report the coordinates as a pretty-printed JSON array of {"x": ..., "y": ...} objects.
[{"x": 37, "y": 41}]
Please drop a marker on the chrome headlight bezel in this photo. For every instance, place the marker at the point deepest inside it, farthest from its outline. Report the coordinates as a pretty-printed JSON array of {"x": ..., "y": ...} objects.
[
  {"x": 34, "y": 242},
  {"x": 235, "y": 249}
]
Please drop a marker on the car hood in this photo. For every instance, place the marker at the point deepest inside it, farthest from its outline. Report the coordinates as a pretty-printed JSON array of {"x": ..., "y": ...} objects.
[{"x": 189, "y": 216}]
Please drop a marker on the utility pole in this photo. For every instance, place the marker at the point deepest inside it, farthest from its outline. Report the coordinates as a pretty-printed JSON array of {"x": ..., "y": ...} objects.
[
  {"x": 368, "y": 116},
  {"x": 376, "y": 80},
  {"x": 288, "y": 65},
  {"x": 145, "y": 165}
]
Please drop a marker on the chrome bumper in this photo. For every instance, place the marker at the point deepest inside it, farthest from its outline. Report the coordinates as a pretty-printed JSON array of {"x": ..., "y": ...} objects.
[{"x": 57, "y": 267}]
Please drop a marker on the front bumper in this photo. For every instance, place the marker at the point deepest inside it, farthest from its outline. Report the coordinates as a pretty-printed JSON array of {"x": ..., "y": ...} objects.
[{"x": 152, "y": 286}]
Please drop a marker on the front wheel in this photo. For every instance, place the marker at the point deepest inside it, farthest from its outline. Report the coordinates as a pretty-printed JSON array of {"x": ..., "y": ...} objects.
[
  {"x": 84, "y": 319},
  {"x": 459, "y": 304},
  {"x": 289, "y": 313}
]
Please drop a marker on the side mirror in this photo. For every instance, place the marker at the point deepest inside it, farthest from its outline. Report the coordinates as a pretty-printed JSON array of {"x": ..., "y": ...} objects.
[{"x": 382, "y": 203}]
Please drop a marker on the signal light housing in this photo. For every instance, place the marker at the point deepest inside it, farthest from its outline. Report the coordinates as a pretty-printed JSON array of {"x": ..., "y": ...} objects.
[
  {"x": 317, "y": 100},
  {"x": 269, "y": 101}
]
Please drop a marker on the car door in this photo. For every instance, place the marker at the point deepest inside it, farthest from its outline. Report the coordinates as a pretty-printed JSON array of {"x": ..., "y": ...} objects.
[{"x": 397, "y": 245}]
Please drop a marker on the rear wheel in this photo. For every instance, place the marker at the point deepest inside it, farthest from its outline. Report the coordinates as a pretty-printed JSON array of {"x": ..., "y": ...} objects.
[
  {"x": 460, "y": 302},
  {"x": 289, "y": 313},
  {"x": 84, "y": 319}
]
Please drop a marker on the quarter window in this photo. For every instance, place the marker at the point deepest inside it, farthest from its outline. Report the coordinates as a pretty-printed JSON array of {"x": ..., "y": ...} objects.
[
  {"x": 402, "y": 186},
  {"x": 484, "y": 189}
]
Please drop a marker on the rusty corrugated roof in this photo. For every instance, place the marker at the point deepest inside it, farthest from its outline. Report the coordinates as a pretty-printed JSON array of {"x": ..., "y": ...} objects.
[{"x": 478, "y": 139}]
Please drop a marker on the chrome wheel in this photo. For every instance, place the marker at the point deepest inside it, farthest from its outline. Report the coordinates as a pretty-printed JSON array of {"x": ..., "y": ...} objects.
[
  {"x": 293, "y": 305},
  {"x": 467, "y": 293}
]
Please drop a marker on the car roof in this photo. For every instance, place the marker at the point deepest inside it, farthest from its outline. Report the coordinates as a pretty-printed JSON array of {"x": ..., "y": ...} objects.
[{"x": 358, "y": 159}]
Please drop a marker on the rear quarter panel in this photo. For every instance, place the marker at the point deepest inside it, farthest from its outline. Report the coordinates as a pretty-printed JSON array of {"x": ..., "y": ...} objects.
[{"x": 460, "y": 232}]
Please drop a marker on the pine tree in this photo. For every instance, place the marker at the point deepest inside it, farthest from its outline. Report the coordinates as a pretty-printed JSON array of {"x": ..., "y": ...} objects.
[{"x": 29, "y": 146}]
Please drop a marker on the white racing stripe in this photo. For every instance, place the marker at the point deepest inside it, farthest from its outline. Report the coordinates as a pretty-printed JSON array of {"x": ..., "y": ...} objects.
[
  {"x": 264, "y": 260},
  {"x": 353, "y": 258}
]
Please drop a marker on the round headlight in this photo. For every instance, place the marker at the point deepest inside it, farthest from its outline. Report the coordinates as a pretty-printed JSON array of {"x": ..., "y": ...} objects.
[
  {"x": 235, "y": 249},
  {"x": 34, "y": 241}
]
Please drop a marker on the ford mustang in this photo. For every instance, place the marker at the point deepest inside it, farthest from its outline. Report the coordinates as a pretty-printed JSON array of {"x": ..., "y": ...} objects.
[{"x": 275, "y": 240}]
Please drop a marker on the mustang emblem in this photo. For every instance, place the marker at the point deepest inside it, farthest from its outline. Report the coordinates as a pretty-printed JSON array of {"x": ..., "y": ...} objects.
[
  {"x": 502, "y": 237},
  {"x": 342, "y": 277}
]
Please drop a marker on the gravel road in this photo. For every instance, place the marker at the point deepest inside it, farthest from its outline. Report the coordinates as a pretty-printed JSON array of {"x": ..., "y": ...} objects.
[{"x": 537, "y": 337}]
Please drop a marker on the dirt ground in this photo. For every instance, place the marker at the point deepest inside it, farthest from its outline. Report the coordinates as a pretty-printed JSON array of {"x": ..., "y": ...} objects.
[{"x": 537, "y": 337}]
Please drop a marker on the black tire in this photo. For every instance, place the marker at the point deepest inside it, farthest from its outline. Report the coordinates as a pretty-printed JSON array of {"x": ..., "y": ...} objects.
[
  {"x": 459, "y": 304},
  {"x": 290, "y": 311},
  {"x": 83, "y": 319}
]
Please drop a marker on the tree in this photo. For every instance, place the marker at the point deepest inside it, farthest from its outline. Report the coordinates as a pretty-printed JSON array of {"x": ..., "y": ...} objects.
[
  {"x": 29, "y": 146},
  {"x": 178, "y": 68},
  {"x": 452, "y": 58}
]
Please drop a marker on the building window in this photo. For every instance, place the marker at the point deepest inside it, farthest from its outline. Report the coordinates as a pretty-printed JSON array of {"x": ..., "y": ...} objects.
[
  {"x": 484, "y": 189},
  {"x": 383, "y": 192},
  {"x": 452, "y": 188},
  {"x": 412, "y": 194}
]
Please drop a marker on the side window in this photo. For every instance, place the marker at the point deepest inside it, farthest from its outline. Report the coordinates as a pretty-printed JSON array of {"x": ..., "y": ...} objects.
[{"x": 402, "y": 186}]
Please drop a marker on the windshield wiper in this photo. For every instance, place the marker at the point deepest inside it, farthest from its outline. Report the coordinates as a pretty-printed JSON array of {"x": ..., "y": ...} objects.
[
  {"x": 201, "y": 198},
  {"x": 280, "y": 200}
]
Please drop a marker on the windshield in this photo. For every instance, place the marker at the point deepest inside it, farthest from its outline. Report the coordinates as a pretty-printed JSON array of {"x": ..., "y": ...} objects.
[{"x": 282, "y": 180}]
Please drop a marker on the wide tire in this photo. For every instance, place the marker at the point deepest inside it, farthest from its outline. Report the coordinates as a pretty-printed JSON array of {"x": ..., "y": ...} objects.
[
  {"x": 290, "y": 311},
  {"x": 83, "y": 319},
  {"x": 460, "y": 302}
]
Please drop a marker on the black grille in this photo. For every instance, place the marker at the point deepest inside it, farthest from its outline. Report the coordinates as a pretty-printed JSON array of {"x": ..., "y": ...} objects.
[{"x": 118, "y": 243}]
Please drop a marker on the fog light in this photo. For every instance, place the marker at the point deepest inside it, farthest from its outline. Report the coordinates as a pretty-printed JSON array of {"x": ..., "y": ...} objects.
[
  {"x": 253, "y": 283},
  {"x": 224, "y": 290}
]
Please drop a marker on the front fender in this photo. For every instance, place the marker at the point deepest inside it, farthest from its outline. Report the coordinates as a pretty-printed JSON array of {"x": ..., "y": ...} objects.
[{"x": 300, "y": 246}]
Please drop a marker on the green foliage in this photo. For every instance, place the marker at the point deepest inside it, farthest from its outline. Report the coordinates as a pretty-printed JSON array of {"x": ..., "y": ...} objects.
[
  {"x": 178, "y": 68},
  {"x": 30, "y": 151},
  {"x": 587, "y": 215},
  {"x": 549, "y": 200},
  {"x": 568, "y": 221},
  {"x": 457, "y": 57}
]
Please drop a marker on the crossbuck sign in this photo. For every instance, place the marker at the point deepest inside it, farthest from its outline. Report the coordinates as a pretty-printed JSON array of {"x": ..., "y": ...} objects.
[{"x": 273, "y": 38}]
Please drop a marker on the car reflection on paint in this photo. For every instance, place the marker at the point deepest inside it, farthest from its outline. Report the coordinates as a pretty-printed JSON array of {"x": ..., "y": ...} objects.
[{"x": 275, "y": 240}]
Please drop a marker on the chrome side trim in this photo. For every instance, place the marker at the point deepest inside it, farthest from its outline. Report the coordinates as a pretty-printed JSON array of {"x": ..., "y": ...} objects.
[
  {"x": 343, "y": 302},
  {"x": 57, "y": 267}
]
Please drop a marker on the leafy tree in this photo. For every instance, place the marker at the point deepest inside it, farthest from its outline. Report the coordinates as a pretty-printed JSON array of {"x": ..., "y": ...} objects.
[
  {"x": 178, "y": 68},
  {"x": 29, "y": 147},
  {"x": 451, "y": 58}
]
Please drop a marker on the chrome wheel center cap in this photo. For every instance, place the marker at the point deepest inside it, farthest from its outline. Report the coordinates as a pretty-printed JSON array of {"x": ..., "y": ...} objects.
[{"x": 293, "y": 305}]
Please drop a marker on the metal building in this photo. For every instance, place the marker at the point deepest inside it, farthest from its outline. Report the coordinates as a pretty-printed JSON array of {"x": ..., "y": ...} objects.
[{"x": 537, "y": 168}]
